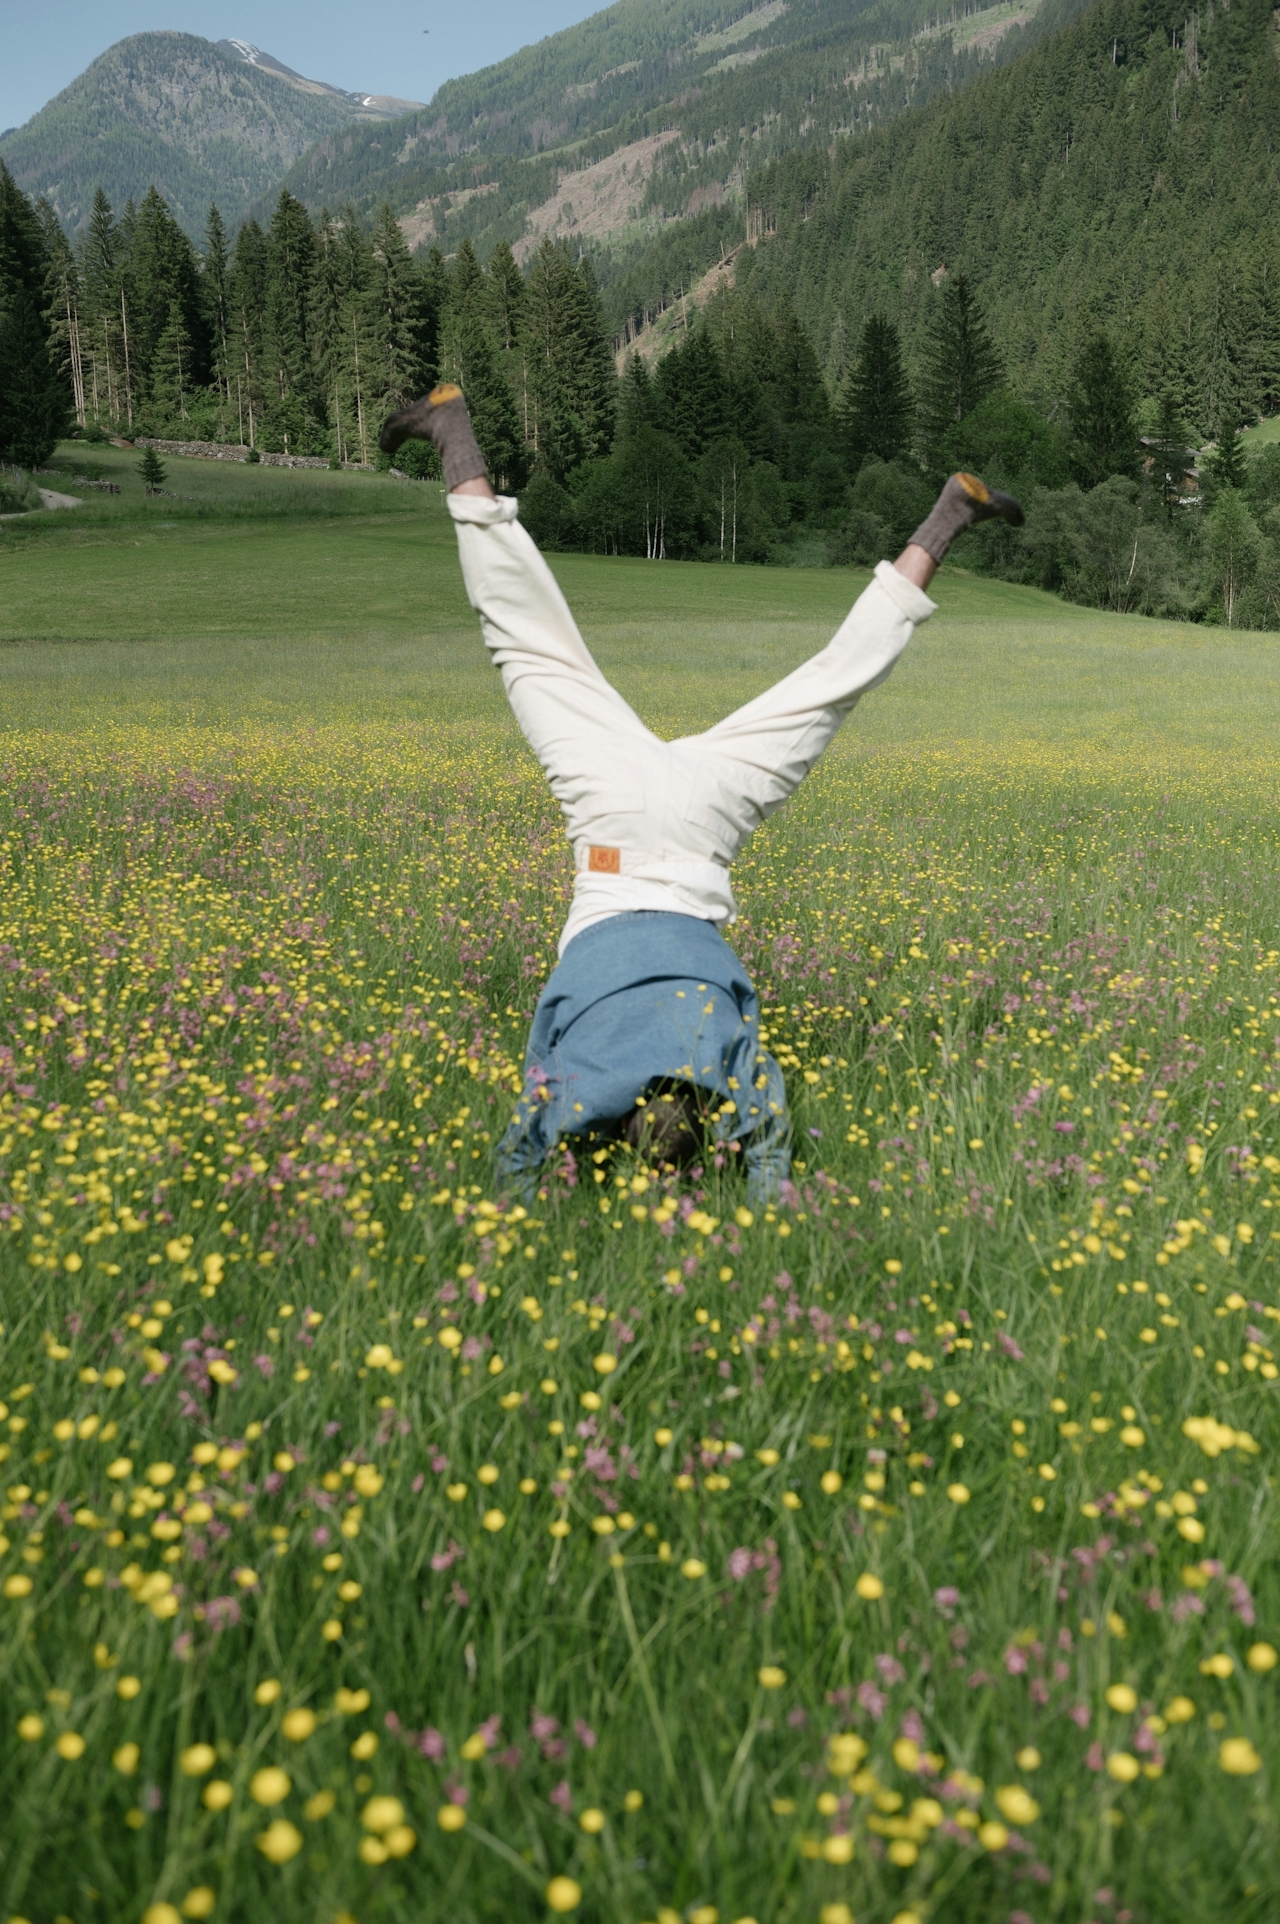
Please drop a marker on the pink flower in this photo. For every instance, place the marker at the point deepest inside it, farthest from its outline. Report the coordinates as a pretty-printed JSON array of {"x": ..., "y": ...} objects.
[
  {"x": 431, "y": 1744},
  {"x": 562, "y": 1796},
  {"x": 585, "y": 1735}
]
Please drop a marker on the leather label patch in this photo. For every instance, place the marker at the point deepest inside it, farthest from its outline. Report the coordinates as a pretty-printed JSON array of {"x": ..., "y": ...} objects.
[{"x": 604, "y": 861}]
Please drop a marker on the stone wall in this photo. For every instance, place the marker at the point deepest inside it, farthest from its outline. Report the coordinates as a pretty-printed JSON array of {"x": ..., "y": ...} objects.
[{"x": 236, "y": 451}]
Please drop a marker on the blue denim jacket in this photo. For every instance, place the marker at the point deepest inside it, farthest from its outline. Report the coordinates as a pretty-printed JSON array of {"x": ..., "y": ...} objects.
[{"x": 637, "y": 999}]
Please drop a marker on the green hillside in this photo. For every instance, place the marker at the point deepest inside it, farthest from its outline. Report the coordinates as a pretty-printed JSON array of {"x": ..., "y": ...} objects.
[
  {"x": 1125, "y": 174},
  {"x": 173, "y": 111},
  {"x": 730, "y": 89}
]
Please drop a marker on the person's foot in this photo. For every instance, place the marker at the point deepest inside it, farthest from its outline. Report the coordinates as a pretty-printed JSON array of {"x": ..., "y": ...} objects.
[
  {"x": 964, "y": 501},
  {"x": 439, "y": 417}
]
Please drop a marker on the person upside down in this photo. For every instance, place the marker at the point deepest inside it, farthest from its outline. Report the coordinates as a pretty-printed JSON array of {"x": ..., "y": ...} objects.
[{"x": 648, "y": 1030}]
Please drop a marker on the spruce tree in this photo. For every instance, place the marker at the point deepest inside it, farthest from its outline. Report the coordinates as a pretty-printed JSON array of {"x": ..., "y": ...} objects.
[
  {"x": 597, "y": 382},
  {"x": 152, "y": 470},
  {"x": 636, "y": 403},
  {"x": 400, "y": 315},
  {"x": 162, "y": 275},
  {"x": 246, "y": 325},
  {"x": 33, "y": 394},
  {"x": 466, "y": 281},
  {"x": 62, "y": 305},
  {"x": 103, "y": 366},
  {"x": 875, "y": 414},
  {"x": 568, "y": 357},
  {"x": 171, "y": 383},
  {"x": 506, "y": 296},
  {"x": 291, "y": 248},
  {"x": 691, "y": 394},
  {"x": 1103, "y": 438},
  {"x": 213, "y": 297},
  {"x": 961, "y": 365}
]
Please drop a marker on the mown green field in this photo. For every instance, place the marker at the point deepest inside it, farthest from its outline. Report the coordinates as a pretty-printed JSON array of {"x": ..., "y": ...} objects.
[{"x": 378, "y": 1547}]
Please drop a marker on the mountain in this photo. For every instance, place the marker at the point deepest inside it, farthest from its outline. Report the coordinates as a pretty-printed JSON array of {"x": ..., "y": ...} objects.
[
  {"x": 682, "y": 97},
  {"x": 380, "y": 106},
  {"x": 200, "y": 120},
  {"x": 1124, "y": 174}
]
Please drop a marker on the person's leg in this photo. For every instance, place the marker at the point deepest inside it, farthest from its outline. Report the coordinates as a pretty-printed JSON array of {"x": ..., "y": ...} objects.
[
  {"x": 577, "y": 725},
  {"x": 752, "y": 760}
]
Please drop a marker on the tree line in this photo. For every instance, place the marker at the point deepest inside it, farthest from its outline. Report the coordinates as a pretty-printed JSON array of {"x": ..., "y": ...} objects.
[
  {"x": 301, "y": 336},
  {"x": 298, "y": 337}
]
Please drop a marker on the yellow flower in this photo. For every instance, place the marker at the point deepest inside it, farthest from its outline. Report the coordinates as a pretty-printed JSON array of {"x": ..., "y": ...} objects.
[
  {"x": 845, "y": 1751},
  {"x": 958, "y": 1493},
  {"x": 451, "y": 1817},
  {"x": 350, "y": 1702},
  {"x": 838, "y": 1848},
  {"x": 604, "y": 1364},
  {"x": 1014, "y": 1803},
  {"x": 493, "y": 1520},
  {"x": 1261, "y": 1656},
  {"x": 268, "y": 1691},
  {"x": 634, "y": 1800},
  {"x": 217, "y": 1795},
  {"x": 19, "y": 1586},
  {"x": 869, "y": 1586},
  {"x": 1238, "y": 1757},
  {"x": 271, "y": 1785},
  {"x": 127, "y": 1688},
  {"x": 331, "y": 1629},
  {"x": 201, "y": 1901},
  {"x": 1122, "y": 1697},
  {"x": 771, "y": 1676},
  {"x": 993, "y": 1836},
  {"x": 197, "y": 1759},
  {"x": 692, "y": 1568},
  {"x": 382, "y": 1814},
  {"x": 70, "y": 1745},
  {"x": 592, "y": 1822},
  {"x": 297, "y": 1725},
  {"x": 1123, "y": 1767},
  {"x": 563, "y": 1894},
  {"x": 365, "y": 1746},
  {"x": 906, "y": 1753},
  {"x": 162, "y": 1914},
  {"x": 280, "y": 1841},
  {"x": 30, "y": 1728},
  {"x": 832, "y": 1483},
  {"x": 1028, "y": 1758},
  {"x": 835, "y": 1914},
  {"x": 1179, "y": 1711},
  {"x": 318, "y": 1806}
]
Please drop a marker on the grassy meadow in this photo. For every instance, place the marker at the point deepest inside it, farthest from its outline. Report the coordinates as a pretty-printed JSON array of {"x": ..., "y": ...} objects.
[{"x": 378, "y": 1548}]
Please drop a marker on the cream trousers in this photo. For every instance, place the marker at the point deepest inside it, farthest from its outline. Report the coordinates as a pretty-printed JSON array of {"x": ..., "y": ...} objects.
[{"x": 654, "y": 824}]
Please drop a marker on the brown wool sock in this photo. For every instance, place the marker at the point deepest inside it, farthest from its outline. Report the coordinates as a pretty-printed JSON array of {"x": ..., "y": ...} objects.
[
  {"x": 964, "y": 501},
  {"x": 439, "y": 417}
]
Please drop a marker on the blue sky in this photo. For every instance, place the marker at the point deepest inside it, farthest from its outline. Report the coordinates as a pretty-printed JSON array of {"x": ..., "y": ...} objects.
[{"x": 378, "y": 48}]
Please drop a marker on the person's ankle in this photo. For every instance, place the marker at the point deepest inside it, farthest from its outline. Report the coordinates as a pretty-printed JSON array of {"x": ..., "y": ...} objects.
[
  {"x": 917, "y": 565},
  {"x": 476, "y": 485}
]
